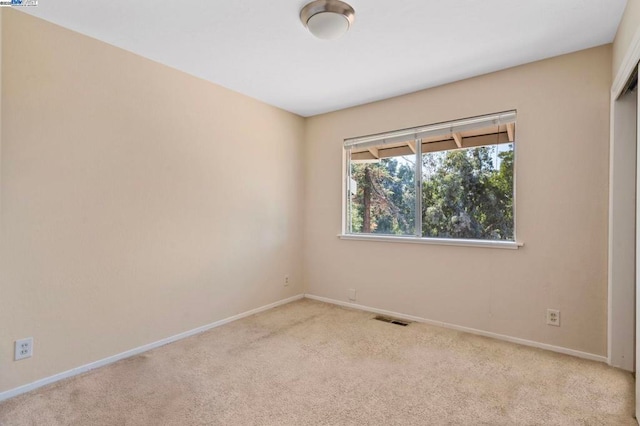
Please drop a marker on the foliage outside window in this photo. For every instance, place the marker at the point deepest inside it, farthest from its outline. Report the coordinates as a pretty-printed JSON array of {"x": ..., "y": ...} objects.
[{"x": 451, "y": 180}]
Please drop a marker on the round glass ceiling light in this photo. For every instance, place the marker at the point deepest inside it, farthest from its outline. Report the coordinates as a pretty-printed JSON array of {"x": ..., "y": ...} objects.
[{"x": 327, "y": 19}]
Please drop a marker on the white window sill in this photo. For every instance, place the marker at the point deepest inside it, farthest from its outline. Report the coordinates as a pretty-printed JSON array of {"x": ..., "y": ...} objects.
[{"x": 510, "y": 245}]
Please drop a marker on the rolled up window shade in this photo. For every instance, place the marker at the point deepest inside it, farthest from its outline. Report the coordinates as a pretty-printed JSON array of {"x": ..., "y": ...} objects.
[{"x": 432, "y": 130}]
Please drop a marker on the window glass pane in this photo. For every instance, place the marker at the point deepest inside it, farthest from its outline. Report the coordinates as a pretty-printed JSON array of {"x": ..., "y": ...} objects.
[
  {"x": 381, "y": 191},
  {"x": 468, "y": 193}
]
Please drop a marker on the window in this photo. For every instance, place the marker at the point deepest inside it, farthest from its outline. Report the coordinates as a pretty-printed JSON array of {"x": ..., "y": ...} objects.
[{"x": 451, "y": 180}]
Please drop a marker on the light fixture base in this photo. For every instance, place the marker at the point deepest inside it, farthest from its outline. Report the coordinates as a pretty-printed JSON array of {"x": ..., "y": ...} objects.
[{"x": 337, "y": 8}]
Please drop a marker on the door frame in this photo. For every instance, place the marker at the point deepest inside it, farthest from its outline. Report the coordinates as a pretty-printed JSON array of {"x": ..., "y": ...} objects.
[{"x": 627, "y": 67}]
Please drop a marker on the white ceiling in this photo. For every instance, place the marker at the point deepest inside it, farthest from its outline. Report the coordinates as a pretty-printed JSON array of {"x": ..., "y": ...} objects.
[{"x": 260, "y": 48}]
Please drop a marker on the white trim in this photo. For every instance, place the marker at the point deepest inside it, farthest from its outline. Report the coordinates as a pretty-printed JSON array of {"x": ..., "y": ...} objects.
[
  {"x": 511, "y": 245},
  {"x": 609, "y": 233},
  {"x": 629, "y": 62},
  {"x": 109, "y": 360},
  {"x": 517, "y": 340},
  {"x": 621, "y": 233}
]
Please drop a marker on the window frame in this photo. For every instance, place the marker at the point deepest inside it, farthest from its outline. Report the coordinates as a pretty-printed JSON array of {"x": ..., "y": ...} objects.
[{"x": 419, "y": 132}]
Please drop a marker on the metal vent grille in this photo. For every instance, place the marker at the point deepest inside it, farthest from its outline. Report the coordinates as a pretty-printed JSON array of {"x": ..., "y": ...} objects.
[{"x": 391, "y": 320}]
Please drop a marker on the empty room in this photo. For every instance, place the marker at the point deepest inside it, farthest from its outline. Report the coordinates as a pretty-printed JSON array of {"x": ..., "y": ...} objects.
[{"x": 319, "y": 212}]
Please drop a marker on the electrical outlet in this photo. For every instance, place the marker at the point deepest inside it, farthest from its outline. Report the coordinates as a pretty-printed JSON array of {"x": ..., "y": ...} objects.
[
  {"x": 24, "y": 348},
  {"x": 286, "y": 280},
  {"x": 352, "y": 294},
  {"x": 553, "y": 317}
]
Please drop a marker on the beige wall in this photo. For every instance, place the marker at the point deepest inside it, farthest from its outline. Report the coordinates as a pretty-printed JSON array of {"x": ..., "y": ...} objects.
[
  {"x": 562, "y": 185},
  {"x": 137, "y": 202},
  {"x": 626, "y": 31}
]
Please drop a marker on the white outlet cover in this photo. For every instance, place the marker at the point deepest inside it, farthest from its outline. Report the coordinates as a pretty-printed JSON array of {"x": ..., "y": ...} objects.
[
  {"x": 24, "y": 348},
  {"x": 553, "y": 317}
]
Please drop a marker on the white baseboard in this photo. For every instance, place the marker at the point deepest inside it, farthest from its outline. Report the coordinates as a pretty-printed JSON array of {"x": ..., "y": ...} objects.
[
  {"x": 517, "y": 340},
  {"x": 109, "y": 360}
]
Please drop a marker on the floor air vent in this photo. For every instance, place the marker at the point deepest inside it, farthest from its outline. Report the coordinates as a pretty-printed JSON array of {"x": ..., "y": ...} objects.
[{"x": 391, "y": 320}]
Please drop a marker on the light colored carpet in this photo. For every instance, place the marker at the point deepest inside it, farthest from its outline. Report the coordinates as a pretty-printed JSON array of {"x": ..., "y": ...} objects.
[{"x": 310, "y": 363}]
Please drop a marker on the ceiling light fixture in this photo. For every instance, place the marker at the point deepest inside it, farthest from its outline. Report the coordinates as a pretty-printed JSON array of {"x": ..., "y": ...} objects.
[{"x": 327, "y": 19}]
